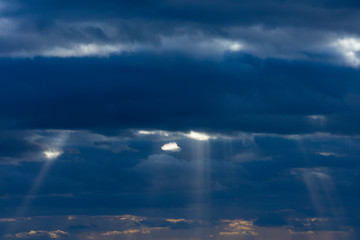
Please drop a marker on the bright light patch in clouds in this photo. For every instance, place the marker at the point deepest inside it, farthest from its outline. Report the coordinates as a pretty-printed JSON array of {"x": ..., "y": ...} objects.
[
  {"x": 200, "y": 45},
  {"x": 199, "y": 136},
  {"x": 171, "y": 147},
  {"x": 229, "y": 45},
  {"x": 83, "y": 50},
  {"x": 155, "y": 132},
  {"x": 143, "y": 132},
  {"x": 192, "y": 45},
  {"x": 349, "y": 48},
  {"x": 52, "y": 154}
]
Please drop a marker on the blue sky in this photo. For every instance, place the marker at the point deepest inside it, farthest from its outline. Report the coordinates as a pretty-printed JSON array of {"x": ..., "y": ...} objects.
[{"x": 179, "y": 119}]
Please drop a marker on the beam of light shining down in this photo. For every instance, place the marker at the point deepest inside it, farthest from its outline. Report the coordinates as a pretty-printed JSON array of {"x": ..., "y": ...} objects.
[
  {"x": 201, "y": 156},
  {"x": 323, "y": 195},
  {"x": 22, "y": 210},
  {"x": 50, "y": 154},
  {"x": 199, "y": 136}
]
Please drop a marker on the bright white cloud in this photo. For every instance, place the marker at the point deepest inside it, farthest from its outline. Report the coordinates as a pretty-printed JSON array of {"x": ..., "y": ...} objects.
[
  {"x": 350, "y": 49},
  {"x": 154, "y": 132},
  {"x": 144, "y": 132},
  {"x": 199, "y": 136},
  {"x": 52, "y": 154},
  {"x": 171, "y": 147},
  {"x": 196, "y": 46},
  {"x": 83, "y": 50}
]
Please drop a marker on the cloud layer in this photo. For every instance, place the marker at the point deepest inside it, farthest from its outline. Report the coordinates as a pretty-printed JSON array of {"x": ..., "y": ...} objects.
[
  {"x": 242, "y": 93},
  {"x": 201, "y": 119},
  {"x": 202, "y": 29}
]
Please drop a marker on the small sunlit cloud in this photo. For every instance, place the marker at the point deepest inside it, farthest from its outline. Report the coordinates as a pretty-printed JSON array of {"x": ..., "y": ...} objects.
[
  {"x": 238, "y": 227},
  {"x": 171, "y": 147},
  {"x": 132, "y": 218},
  {"x": 199, "y": 136},
  {"x": 52, "y": 154},
  {"x": 178, "y": 220},
  {"x": 7, "y": 219}
]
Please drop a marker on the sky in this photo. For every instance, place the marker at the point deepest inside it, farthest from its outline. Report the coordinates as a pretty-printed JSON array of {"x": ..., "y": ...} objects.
[{"x": 178, "y": 119}]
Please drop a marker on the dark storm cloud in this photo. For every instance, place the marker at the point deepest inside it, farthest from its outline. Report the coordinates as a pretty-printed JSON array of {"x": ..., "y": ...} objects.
[
  {"x": 270, "y": 220},
  {"x": 272, "y": 13},
  {"x": 175, "y": 92},
  {"x": 14, "y": 145}
]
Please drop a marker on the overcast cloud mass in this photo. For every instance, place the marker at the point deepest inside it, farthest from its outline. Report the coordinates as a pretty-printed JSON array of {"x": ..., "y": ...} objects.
[{"x": 171, "y": 119}]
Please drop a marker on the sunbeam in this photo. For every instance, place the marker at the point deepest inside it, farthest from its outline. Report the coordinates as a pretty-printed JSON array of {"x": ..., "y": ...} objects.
[
  {"x": 324, "y": 197},
  {"x": 50, "y": 155},
  {"x": 201, "y": 157},
  {"x": 21, "y": 212}
]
